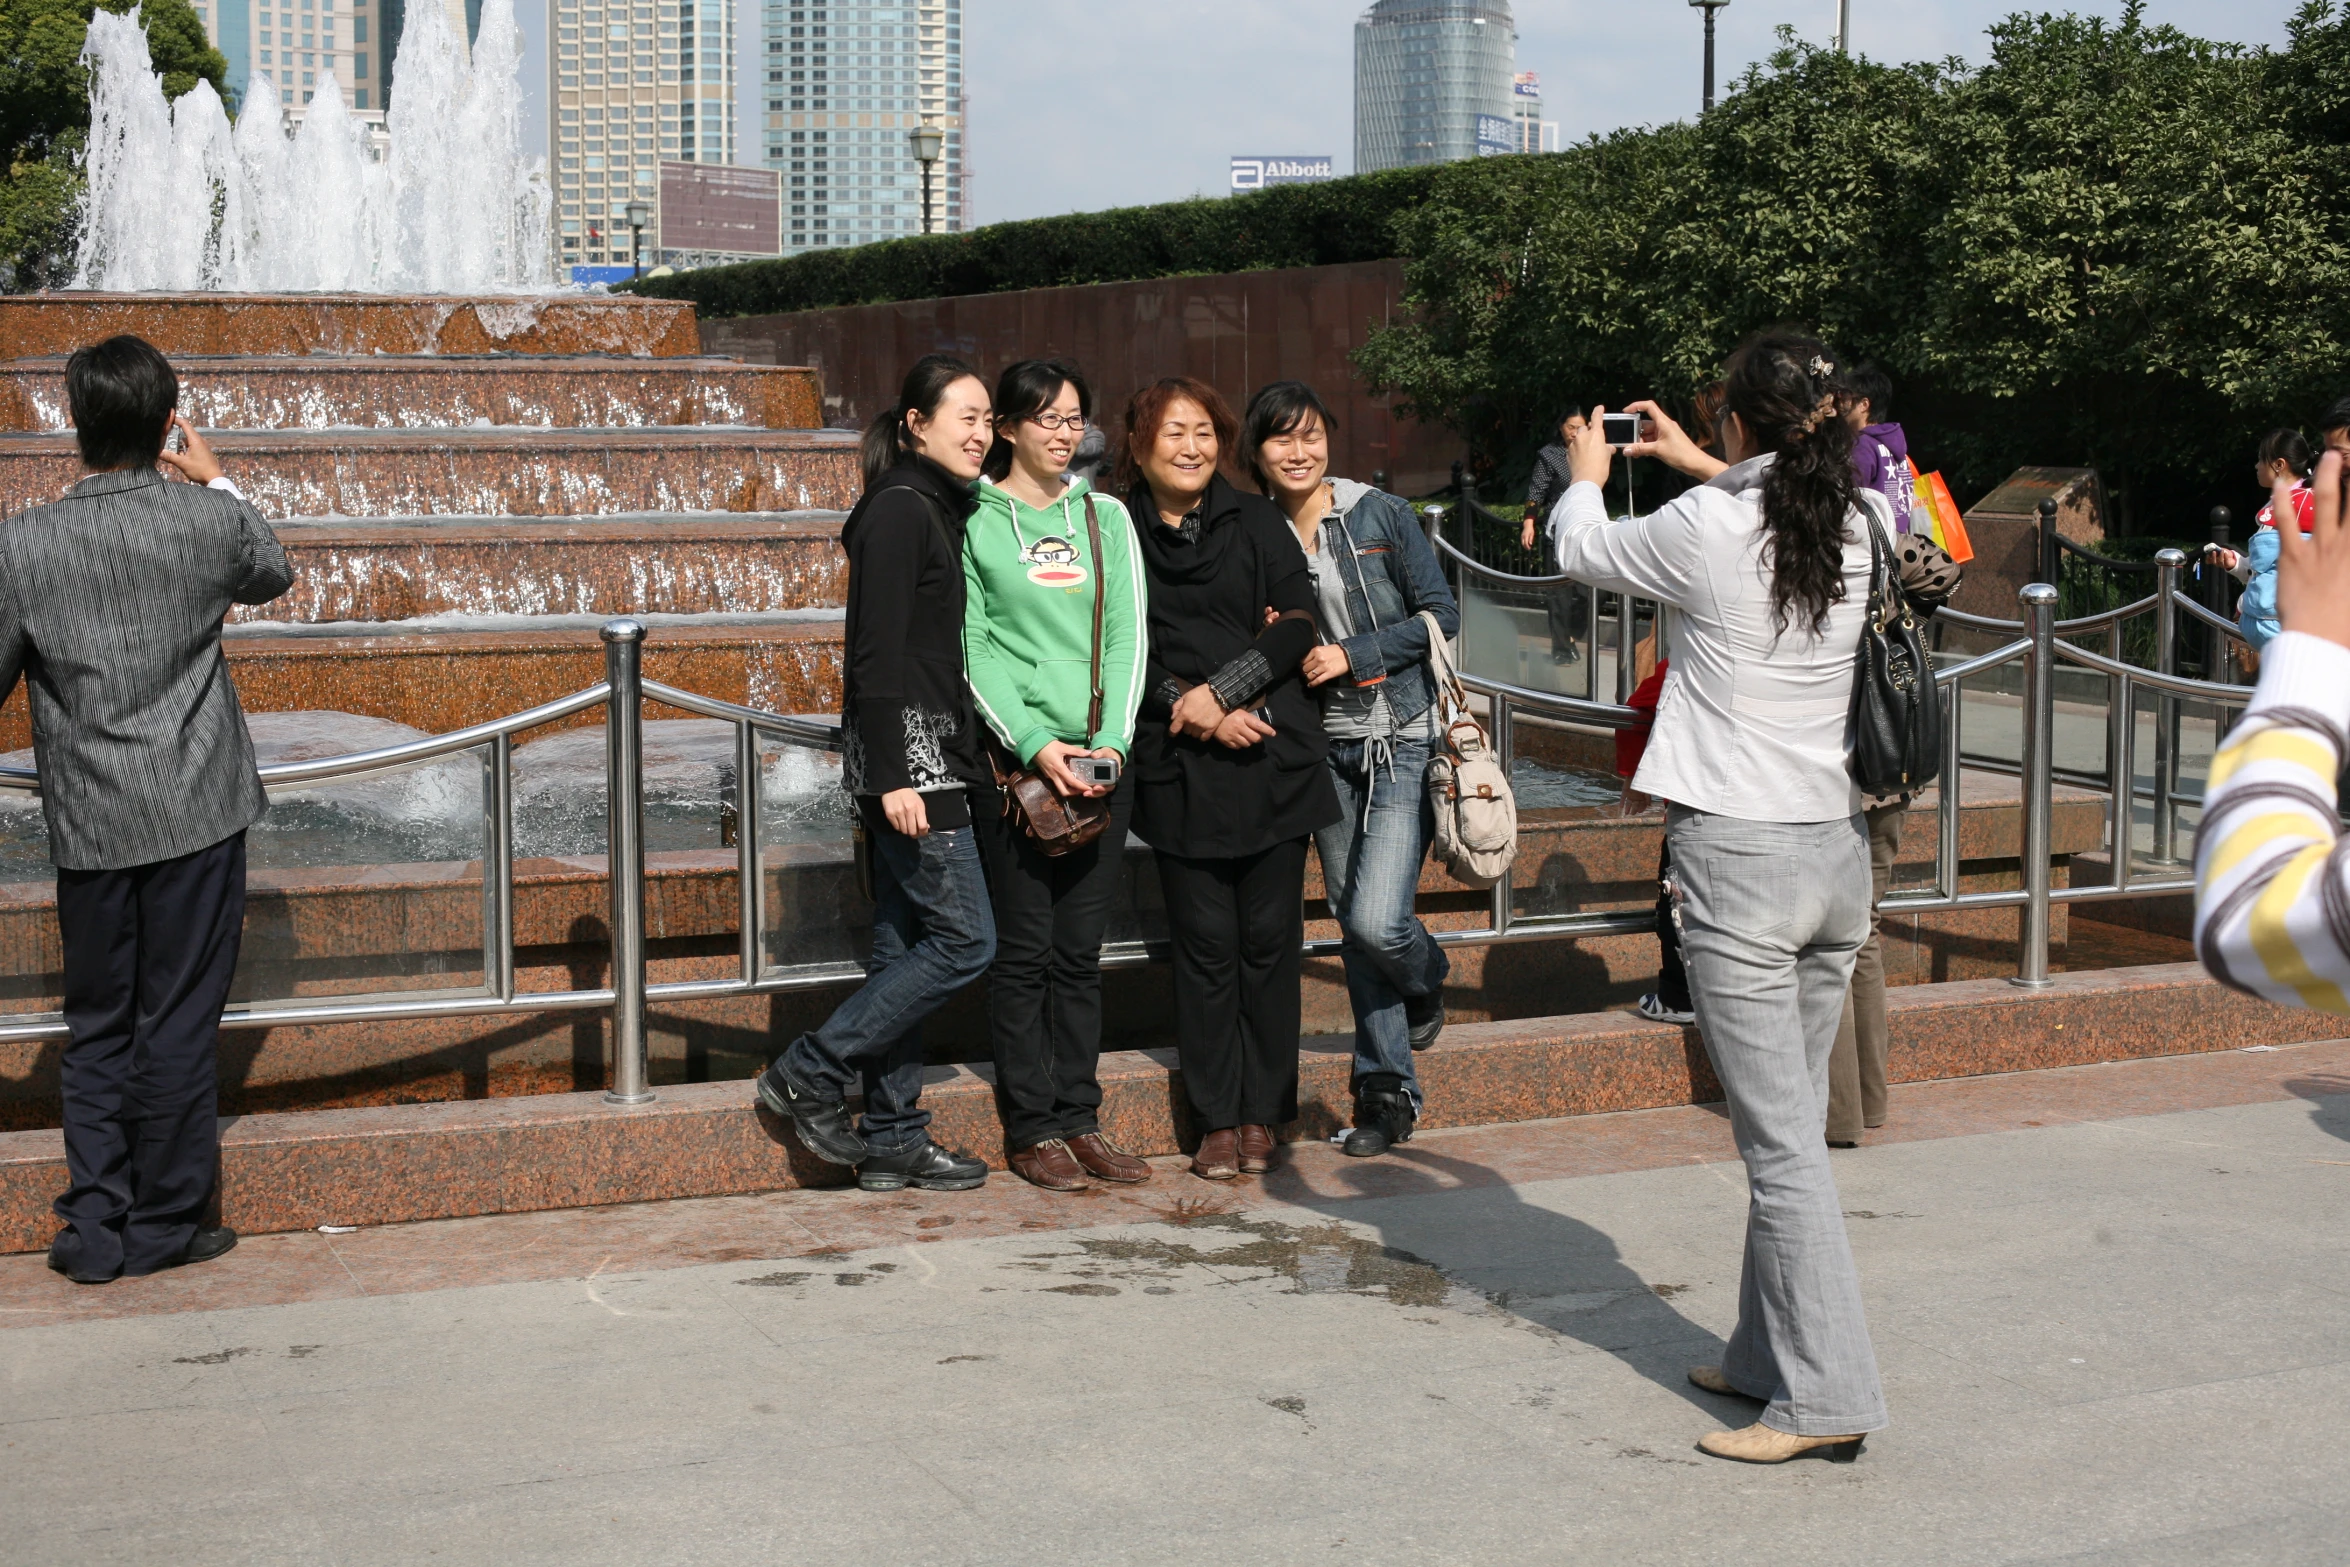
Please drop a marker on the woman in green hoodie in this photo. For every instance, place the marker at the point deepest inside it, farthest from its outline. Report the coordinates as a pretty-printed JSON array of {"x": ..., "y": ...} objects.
[{"x": 1037, "y": 553}]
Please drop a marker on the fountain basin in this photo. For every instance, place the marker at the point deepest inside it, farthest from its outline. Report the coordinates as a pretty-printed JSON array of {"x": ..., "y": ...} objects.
[{"x": 446, "y": 681}]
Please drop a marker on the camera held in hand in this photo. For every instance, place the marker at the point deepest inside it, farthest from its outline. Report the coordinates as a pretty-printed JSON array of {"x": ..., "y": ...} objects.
[{"x": 1621, "y": 430}]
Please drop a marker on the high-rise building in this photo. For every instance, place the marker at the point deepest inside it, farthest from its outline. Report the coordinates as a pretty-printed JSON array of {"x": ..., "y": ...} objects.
[
  {"x": 847, "y": 80},
  {"x": 1425, "y": 72},
  {"x": 1534, "y": 133},
  {"x": 633, "y": 83},
  {"x": 306, "y": 47}
]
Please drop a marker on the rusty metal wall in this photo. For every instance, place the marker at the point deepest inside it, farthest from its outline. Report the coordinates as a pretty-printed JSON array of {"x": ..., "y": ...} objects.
[{"x": 1236, "y": 332}]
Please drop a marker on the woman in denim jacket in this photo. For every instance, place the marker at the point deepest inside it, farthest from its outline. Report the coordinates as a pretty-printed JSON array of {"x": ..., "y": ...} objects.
[{"x": 1374, "y": 572}]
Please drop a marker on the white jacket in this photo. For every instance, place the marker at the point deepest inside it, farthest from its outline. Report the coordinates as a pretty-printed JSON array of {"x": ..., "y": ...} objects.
[{"x": 1752, "y": 722}]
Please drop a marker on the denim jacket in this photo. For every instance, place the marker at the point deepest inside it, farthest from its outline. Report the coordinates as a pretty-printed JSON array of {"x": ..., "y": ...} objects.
[{"x": 1395, "y": 576}]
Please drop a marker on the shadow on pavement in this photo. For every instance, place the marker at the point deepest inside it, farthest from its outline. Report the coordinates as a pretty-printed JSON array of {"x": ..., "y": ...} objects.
[
  {"x": 1546, "y": 1268},
  {"x": 2329, "y": 1102}
]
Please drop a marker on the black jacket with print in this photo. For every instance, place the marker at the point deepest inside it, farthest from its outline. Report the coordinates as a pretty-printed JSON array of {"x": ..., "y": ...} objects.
[{"x": 906, "y": 717}]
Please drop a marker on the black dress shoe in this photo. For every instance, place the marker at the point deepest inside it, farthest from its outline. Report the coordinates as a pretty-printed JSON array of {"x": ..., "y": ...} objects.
[
  {"x": 57, "y": 1264},
  {"x": 823, "y": 1124},
  {"x": 202, "y": 1246},
  {"x": 1424, "y": 1016},
  {"x": 1383, "y": 1118},
  {"x": 925, "y": 1166}
]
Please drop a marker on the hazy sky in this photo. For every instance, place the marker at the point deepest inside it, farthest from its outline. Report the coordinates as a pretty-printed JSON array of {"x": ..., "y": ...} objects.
[{"x": 1082, "y": 104}]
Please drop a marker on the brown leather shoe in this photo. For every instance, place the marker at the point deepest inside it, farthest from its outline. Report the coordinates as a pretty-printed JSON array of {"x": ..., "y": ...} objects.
[
  {"x": 1106, "y": 1161},
  {"x": 1256, "y": 1149},
  {"x": 1218, "y": 1158},
  {"x": 1050, "y": 1165}
]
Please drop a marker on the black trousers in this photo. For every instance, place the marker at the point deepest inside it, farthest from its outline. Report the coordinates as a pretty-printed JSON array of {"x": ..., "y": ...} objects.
[
  {"x": 1044, "y": 992},
  {"x": 1237, "y": 924},
  {"x": 149, "y": 952}
]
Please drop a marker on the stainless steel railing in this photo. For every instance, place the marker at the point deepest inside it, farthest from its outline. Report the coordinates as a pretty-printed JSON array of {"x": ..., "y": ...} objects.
[{"x": 623, "y": 692}]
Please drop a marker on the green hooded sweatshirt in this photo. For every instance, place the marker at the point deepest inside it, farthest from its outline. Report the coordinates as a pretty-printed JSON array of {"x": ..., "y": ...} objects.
[{"x": 1028, "y": 620}]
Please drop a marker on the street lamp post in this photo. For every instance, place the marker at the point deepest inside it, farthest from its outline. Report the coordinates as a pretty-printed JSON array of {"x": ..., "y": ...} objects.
[
  {"x": 927, "y": 141},
  {"x": 1709, "y": 7},
  {"x": 1844, "y": 26},
  {"x": 639, "y": 214}
]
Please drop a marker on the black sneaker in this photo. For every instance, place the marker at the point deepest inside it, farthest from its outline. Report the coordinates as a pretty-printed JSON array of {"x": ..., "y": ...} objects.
[
  {"x": 823, "y": 1124},
  {"x": 1383, "y": 1118},
  {"x": 1424, "y": 1015},
  {"x": 924, "y": 1166}
]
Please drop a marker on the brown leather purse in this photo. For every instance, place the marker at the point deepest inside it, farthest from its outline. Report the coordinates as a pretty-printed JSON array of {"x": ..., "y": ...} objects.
[{"x": 1054, "y": 824}]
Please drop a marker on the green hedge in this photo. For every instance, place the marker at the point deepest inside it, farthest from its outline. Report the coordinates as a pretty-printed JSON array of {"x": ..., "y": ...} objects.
[{"x": 1288, "y": 226}]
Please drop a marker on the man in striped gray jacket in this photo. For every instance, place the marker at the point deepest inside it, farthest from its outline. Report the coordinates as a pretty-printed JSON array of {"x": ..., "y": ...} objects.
[{"x": 111, "y": 602}]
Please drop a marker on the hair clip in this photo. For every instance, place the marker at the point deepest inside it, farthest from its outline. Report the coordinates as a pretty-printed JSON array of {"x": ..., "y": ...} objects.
[{"x": 1820, "y": 368}]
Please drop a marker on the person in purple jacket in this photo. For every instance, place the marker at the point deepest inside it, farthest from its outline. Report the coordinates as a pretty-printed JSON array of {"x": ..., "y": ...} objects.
[{"x": 1880, "y": 449}]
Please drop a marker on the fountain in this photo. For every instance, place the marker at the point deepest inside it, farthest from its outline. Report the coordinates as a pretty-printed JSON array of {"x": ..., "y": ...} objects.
[{"x": 177, "y": 199}]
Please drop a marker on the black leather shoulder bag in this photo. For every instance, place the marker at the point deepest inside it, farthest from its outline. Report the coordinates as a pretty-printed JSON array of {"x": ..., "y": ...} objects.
[{"x": 1896, "y": 709}]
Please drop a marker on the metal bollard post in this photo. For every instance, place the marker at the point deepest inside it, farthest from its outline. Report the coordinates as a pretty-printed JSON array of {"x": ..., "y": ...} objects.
[
  {"x": 2167, "y": 566},
  {"x": 2038, "y": 756},
  {"x": 1627, "y": 630},
  {"x": 624, "y": 779},
  {"x": 2051, "y": 552},
  {"x": 2220, "y": 663}
]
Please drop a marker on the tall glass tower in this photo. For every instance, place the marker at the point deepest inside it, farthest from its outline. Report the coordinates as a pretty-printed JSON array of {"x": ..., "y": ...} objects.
[
  {"x": 846, "y": 81},
  {"x": 1425, "y": 70},
  {"x": 636, "y": 83}
]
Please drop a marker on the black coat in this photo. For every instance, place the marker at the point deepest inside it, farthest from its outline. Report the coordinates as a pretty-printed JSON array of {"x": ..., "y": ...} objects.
[
  {"x": 906, "y": 716},
  {"x": 1198, "y": 798}
]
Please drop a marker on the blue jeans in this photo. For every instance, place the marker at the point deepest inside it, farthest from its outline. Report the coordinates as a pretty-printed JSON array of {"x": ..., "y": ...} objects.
[
  {"x": 933, "y": 933},
  {"x": 1370, "y": 872}
]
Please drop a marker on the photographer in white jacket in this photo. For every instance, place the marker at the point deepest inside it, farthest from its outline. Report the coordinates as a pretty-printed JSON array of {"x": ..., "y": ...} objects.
[{"x": 1765, "y": 569}]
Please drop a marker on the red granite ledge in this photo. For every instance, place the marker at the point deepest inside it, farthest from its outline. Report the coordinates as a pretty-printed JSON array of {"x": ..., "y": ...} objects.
[{"x": 385, "y": 1164}]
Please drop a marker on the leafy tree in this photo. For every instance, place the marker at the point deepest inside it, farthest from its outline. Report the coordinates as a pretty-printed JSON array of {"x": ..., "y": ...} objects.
[
  {"x": 2112, "y": 243},
  {"x": 45, "y": 112}
]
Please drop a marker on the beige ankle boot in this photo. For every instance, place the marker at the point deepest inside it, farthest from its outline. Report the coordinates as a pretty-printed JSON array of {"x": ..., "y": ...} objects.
[{"x": 1760, "y": 1444}]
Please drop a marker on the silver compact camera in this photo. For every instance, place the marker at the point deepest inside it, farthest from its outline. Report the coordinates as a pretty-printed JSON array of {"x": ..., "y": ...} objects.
[{"x": 1620, "y": 430}]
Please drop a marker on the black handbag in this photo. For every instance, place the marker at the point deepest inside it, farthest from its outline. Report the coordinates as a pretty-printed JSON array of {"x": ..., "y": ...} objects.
[{"x": 1896, "y": 707}]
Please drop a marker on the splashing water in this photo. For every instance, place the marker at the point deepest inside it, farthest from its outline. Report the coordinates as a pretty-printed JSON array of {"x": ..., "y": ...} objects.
[{"x": 178, "y": 200}]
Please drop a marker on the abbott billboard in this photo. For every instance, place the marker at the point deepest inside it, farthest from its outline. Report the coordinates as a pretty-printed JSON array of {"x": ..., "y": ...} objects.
[{"x": 1257, "y": 173}]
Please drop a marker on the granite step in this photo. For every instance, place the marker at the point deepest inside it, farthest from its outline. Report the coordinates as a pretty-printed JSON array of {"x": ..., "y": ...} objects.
[
  {"x": 389, "y": 1164},
  {"x": 321, "y": 393},
  {"x": 401, "y": 569},
  {"x": 51, "y": 325},
  {"x": 495, "y": 472},
  {"x": 317, "y": 930}
]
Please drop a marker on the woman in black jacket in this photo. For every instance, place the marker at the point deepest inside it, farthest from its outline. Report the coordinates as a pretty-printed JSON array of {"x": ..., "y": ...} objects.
[
  {"x": 1228, "y": 757},
  {"x": 910, "y": 752}
]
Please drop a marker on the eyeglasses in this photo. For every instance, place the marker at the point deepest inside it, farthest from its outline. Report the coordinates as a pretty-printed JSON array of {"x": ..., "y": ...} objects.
[{"x": 1053, "y": 421}]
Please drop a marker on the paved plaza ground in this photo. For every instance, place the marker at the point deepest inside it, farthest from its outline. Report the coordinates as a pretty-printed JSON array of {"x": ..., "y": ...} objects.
[{"x": 2109, "y": 1302}]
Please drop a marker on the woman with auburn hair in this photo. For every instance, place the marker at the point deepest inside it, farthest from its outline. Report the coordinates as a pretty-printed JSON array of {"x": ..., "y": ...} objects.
[{"x": 1228, "y": 755}]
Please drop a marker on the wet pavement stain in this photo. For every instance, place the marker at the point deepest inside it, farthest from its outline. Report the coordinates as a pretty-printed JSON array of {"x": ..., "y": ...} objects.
[
  {"x": 777, "y": 1280},
  {"x": 1321, "y": 1259},
  {"x": 1082, "y": 1289},
  {"x": 218, "y": 1357}
]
